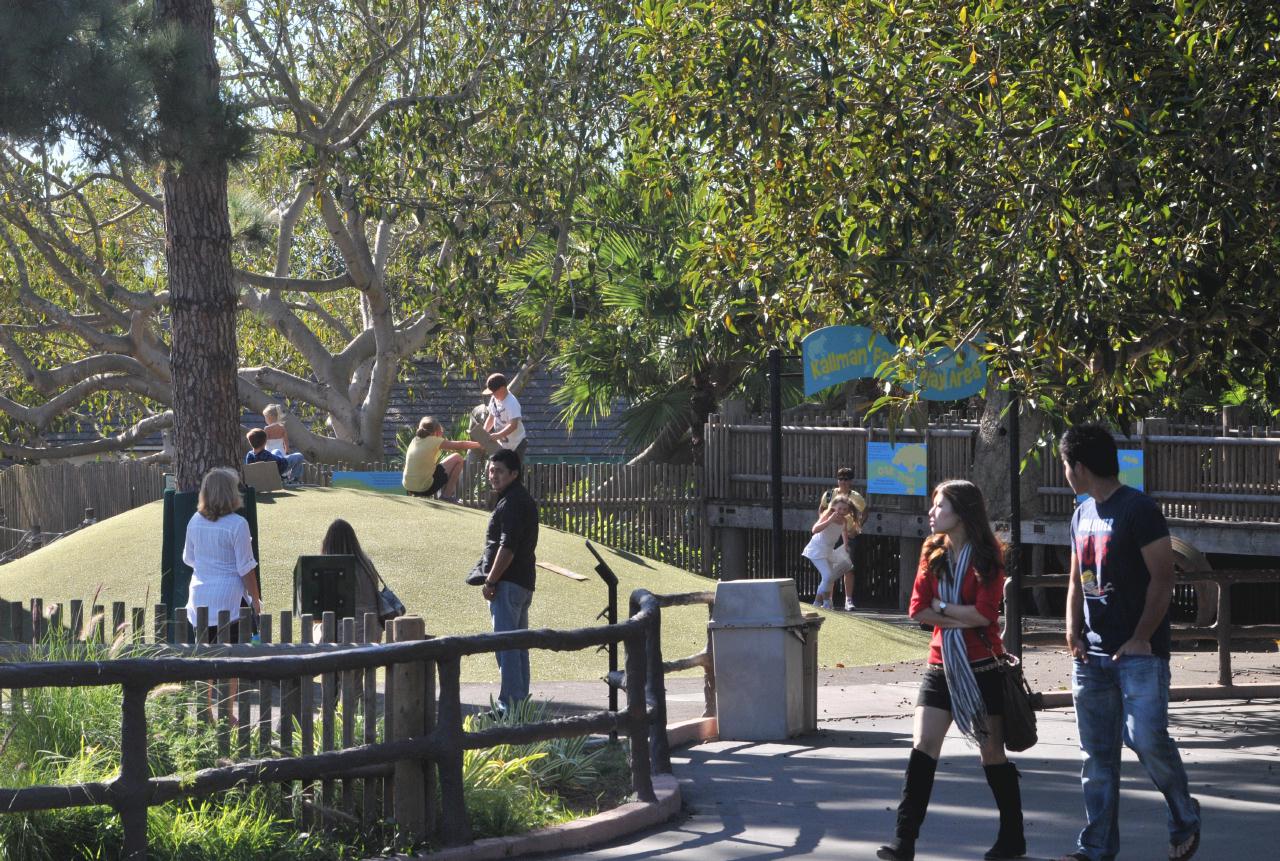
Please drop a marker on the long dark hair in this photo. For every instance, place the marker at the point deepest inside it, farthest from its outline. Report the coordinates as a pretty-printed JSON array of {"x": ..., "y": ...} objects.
[
  {"x": 341, "y": 539},
  {"x": 967, "y": 501}
]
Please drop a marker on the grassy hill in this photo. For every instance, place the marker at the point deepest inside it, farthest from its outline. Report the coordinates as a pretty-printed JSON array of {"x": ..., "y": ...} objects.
[{"x": 423, "y": 549}]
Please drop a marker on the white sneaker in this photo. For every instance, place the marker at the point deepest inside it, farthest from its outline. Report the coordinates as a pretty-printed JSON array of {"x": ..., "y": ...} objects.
[
  {"x": 826, "y": 605},
  {"x": 817, "y": 602},
  {"x": 848, "y": 605}
]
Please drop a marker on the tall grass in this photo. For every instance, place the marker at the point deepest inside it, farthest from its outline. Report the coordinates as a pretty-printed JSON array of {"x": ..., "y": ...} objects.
[{"x": 72, "y": 735}]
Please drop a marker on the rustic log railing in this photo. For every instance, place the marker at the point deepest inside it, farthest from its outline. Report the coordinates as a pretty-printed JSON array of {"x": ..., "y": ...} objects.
[
  {"x": 1222, "y": 631},
  {"x": 423, "y": 738}
]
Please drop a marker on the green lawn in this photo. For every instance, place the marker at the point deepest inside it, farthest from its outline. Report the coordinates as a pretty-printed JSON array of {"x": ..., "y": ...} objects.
[{"x": 423, "y": 549}]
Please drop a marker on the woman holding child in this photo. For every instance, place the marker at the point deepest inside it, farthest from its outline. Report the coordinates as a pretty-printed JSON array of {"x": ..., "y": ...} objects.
[{"x": 958, "y": 588}]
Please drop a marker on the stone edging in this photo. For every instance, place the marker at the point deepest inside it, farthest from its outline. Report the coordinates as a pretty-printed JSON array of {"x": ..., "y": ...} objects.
[{"x": 594, "y": 830}]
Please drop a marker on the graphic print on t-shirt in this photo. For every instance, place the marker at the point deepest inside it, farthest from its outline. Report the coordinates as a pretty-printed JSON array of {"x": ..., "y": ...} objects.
[{"x": 1093, "y": 539}]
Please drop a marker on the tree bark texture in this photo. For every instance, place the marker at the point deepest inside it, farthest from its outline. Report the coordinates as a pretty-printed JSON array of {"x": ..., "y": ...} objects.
[
  {"x": 202, "y": 293},
  {"x": 991, "y": 457}
]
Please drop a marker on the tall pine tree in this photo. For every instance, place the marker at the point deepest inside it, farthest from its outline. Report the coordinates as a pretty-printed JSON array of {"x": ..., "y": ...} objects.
[{"x": 140, "y": 80}]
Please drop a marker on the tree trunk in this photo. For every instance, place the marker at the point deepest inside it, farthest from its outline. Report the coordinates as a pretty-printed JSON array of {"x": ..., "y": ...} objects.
[
  {"x": 991, "y": 457},
  {"x": 202, "y": 292}
]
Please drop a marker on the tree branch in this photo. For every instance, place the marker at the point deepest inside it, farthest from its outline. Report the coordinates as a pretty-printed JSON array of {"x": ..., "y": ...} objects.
[{"x": 138, "y": 432}]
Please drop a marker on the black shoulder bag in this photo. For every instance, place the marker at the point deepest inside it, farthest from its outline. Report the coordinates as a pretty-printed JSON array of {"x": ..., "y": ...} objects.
[{"x": 1019, "y": 700}]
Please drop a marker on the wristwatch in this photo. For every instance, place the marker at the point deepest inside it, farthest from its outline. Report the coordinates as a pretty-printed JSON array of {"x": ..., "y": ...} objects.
[{"x": 942, "y": 608}]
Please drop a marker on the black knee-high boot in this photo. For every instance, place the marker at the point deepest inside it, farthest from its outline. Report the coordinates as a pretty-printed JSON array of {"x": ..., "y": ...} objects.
[
  {"x": 916, "y": 789},
  {"x": 1010, "y": 842}
]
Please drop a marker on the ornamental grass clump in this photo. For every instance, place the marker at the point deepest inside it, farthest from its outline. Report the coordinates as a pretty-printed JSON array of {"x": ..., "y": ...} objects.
[
  {"x": 72, "y": 735},
  {"x": 514, "y": 788}
]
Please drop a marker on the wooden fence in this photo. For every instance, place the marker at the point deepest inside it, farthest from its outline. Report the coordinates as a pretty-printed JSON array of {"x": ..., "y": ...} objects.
[
  {"x": 1222, "y": 632},
  {"x": 737, "y": 459},
  {"x": 1234, "y": 479},
  {"x": 52, "y": 498},
  {"x": 650, "y": 510},
  {"x": 653, "y": 510},
  {"x": 1195, "y": 472},
  {"x": 386, "y": 774}
]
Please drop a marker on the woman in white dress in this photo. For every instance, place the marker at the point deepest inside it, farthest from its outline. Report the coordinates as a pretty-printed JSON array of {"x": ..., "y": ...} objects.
[
  {"x": 219, "y": 550},
  {"x": 821, "y": 549}
]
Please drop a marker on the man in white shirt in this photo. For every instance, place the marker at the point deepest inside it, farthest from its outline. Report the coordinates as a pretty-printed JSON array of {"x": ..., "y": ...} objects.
[{"x": 505, "y": 422}]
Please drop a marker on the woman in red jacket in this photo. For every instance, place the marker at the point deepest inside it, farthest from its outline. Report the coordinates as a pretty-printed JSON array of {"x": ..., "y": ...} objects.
[{"x": 958, "y": 587}]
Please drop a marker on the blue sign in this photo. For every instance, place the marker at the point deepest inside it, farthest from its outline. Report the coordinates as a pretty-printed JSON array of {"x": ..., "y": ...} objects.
[
  {"x": 1131, "y": 463},
  {"x": 837, "y": 354},
  {"x": 1131, "y": 470},
  {"x": 382, "y": 482},
  {"x": 951, "y": 375},
  {"x": 900, "y": 469}
]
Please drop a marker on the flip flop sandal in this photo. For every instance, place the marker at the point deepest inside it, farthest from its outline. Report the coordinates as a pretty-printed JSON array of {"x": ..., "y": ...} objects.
[
  {"x": 1184, "y": 850},
  {"x": 1187, "y": 848}
]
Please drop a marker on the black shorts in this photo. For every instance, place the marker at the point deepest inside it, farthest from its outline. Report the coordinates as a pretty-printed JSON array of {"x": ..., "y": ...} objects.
[
  {"x": 438, "y": 479},
  {"x": 934, "y": 691}
]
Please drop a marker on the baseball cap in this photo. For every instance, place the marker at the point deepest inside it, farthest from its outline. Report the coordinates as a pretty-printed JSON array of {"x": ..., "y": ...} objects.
[{"x": 493, "y": 383}]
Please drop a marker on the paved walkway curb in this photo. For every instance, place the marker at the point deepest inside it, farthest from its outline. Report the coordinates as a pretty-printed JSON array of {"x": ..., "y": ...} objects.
[
  {"x": 594, "y": 830},
  {"x": 579, "y": 834}
]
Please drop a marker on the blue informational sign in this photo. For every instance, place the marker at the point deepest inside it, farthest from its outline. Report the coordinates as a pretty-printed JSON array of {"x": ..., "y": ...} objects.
[
  {"x": 1131, "y": 470},
  {"x": 1131, "y": 463},
  {"x": 900, "y": 469},
  {"x": 837, "y": 354},
  {"x": 383, "y": 482},
  {"x": 952, "y": 375}
]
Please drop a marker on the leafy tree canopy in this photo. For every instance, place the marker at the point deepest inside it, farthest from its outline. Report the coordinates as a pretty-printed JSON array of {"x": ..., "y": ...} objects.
[{"x": 1091, "y": 186}]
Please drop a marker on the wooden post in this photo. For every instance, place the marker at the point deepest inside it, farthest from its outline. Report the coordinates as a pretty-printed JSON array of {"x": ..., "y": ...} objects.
[
  {"x": 266, "y": 690},
  {"x": 638, "y": 718},
  {"x": 455, "y": 828},
  {"x": 709, "y": 673},
  {"x": 129, "y": 791},
  {"x": 350, "y": 705},
  {"x": 733, "y": 553},
  {"x": 328, "y": 704},
  {"x": 656, "y": 696},
  {"x": 409, "y": 721},
  {"x": 369, "y": 705},
  {"x": 223, "y": 700},
  {"x": 908, "y": 560},
  {"x": 1223, "y": 629}
]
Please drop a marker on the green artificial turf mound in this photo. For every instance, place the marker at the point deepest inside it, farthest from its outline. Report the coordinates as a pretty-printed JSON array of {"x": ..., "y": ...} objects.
[{"x": 423, "y": 549}]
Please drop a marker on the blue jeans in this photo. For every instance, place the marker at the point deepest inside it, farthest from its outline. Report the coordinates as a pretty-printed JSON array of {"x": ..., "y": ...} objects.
[
  {"x": 510, "y": 611},
  {"x": 296, "y": 462},
  {"x": 1126, "y": 700}
]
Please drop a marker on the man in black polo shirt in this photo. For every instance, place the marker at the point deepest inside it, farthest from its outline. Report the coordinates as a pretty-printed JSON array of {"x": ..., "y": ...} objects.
[{"x": 508, "y": 563}]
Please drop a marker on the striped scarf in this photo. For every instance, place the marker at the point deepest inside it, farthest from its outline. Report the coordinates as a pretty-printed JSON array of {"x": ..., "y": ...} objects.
[{"x": 967, "y": 708}]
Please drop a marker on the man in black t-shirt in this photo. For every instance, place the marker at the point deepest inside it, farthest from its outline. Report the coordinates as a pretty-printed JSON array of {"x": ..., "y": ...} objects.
[
  {"x": 1118, "y": 632},
  {"x": 510, "y": 544}
]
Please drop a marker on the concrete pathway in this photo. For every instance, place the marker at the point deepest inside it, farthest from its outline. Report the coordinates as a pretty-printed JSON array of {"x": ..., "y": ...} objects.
[{"x": 832, "y": 794}]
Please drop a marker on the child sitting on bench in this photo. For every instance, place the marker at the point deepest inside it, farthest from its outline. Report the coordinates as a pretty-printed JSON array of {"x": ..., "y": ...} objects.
[{"x": 290, "y": 465}]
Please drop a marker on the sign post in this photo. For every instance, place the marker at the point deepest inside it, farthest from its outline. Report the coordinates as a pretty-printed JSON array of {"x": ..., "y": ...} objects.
[{"x": 775, "y": 457}]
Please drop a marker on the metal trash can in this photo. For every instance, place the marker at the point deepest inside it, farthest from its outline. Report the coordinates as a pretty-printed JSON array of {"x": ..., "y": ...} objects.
[{"x": 766, "y": 661}]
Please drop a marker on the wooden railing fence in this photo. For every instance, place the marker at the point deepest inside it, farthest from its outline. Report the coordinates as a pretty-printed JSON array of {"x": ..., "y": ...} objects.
[
  {"x": 419, "y": 733},
  {"x": 1222, "y": 631}
]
